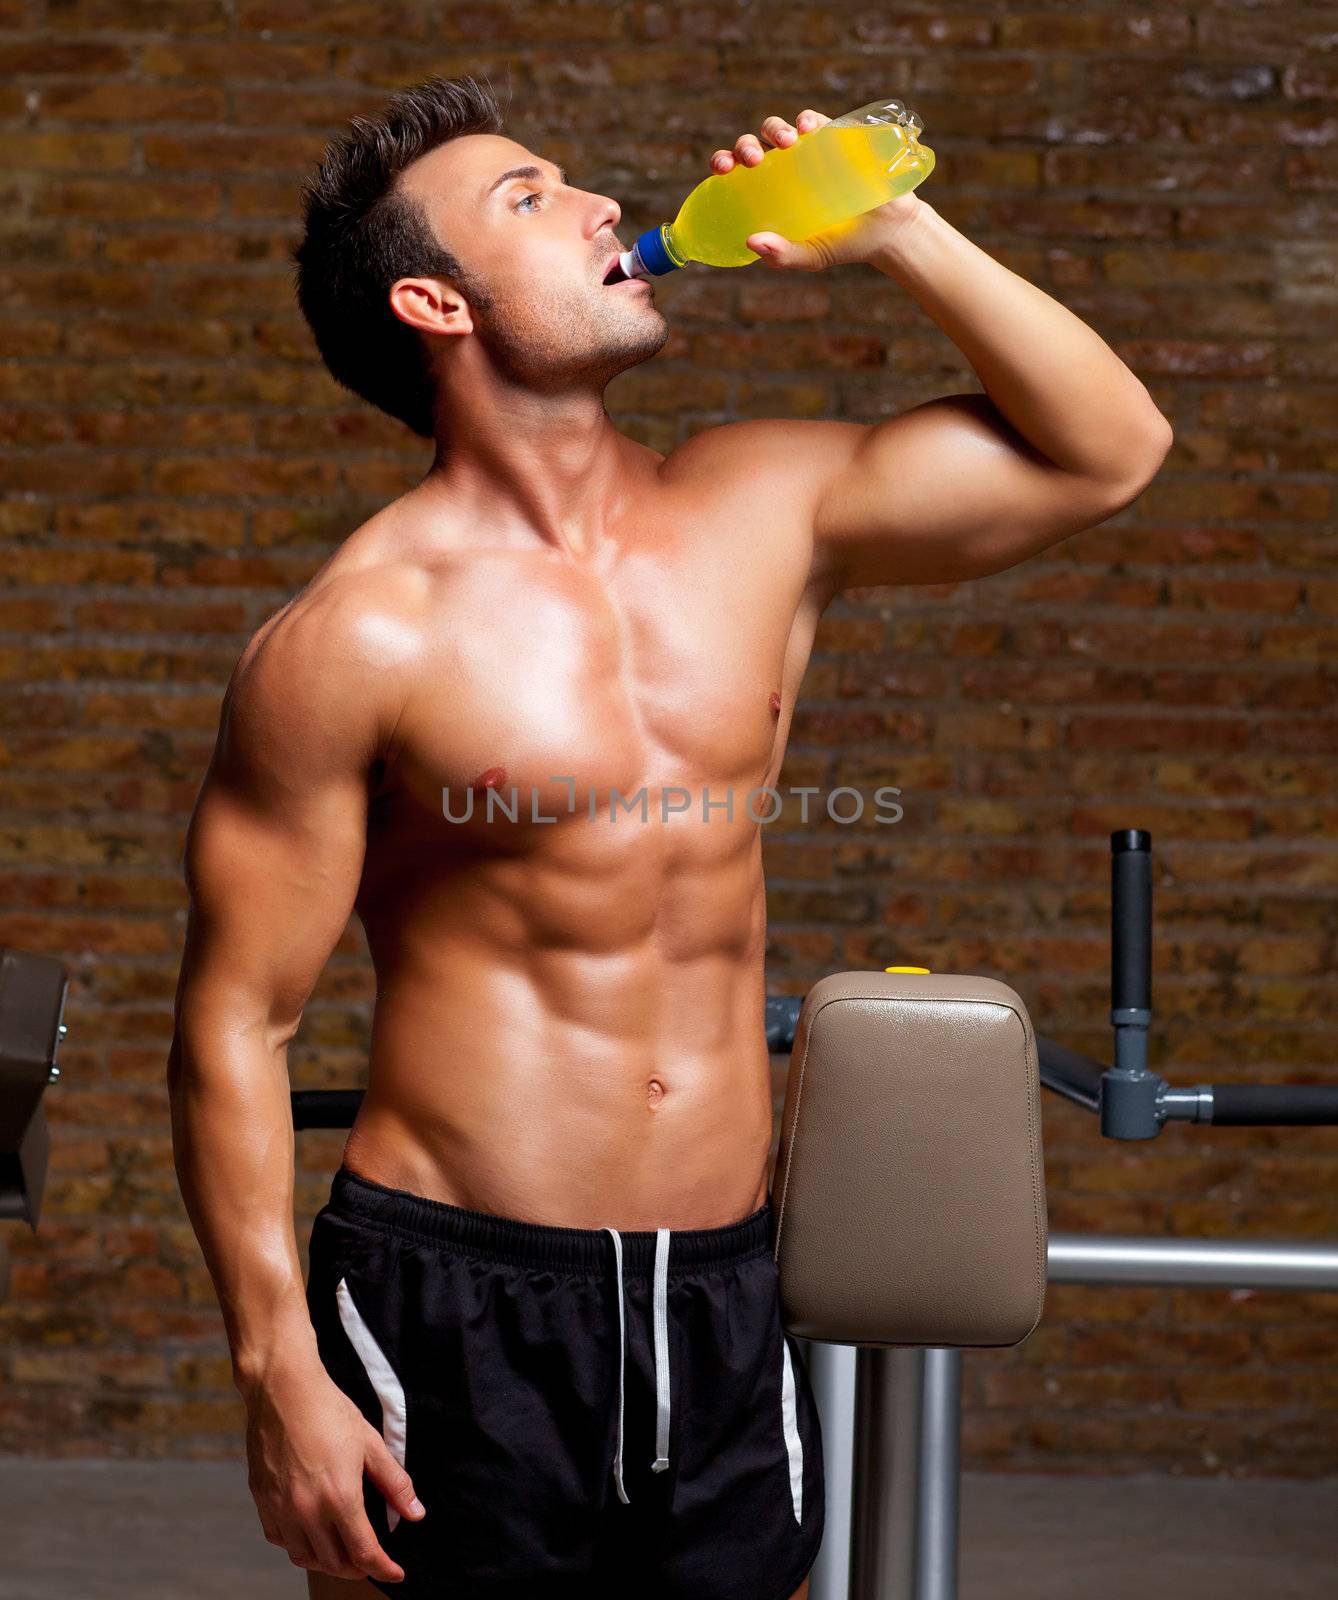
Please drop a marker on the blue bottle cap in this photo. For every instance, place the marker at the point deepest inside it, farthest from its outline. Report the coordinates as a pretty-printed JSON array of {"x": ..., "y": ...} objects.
[{"x": 649, "y": 257}]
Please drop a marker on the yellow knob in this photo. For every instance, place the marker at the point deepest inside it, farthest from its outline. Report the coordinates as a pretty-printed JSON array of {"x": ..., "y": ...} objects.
[{"x": 906, "y": 969}]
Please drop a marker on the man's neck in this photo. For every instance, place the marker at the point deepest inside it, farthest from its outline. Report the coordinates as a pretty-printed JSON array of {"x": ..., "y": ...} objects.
[{"x": 551, "y": 469}]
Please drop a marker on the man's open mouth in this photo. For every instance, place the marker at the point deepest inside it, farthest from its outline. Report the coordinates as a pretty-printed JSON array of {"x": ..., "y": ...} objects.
[{"x": 615, "y": 273}]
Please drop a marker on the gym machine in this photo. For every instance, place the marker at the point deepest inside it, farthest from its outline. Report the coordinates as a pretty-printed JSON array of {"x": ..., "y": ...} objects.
[
  {"x": 32, "y": 1005},
  {"x": 891, "y": 1407}
]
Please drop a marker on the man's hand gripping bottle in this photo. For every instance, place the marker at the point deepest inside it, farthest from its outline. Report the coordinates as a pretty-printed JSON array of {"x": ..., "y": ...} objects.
[{"x": 846, "y": 167}]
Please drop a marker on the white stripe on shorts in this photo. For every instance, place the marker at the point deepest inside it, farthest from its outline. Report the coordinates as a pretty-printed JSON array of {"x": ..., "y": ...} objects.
[
  {"x": 794, "y": 1445},
  {"x": 389, "y": 1391}
]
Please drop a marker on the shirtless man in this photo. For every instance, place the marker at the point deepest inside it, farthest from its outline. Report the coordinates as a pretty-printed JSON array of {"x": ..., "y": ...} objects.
[{"x": 539, "y": 1353}]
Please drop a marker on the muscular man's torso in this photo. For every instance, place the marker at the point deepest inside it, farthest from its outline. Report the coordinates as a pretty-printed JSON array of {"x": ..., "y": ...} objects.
[{"x": 569, "y": 1015}]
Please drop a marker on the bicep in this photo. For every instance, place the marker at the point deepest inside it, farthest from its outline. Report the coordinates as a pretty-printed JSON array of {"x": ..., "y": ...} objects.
[
  {"x": 271, "y": 890},
  {"x": 945, "y": 491},
  {"x": 275, "y": 847}
]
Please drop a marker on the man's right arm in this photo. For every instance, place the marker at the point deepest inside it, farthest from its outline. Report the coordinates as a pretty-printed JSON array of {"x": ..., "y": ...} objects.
[{"x": 273, "y": 859}]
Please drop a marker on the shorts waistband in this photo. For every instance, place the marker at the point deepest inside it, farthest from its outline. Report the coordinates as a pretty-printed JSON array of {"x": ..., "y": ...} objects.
[{"x": 540, "y": 1244}]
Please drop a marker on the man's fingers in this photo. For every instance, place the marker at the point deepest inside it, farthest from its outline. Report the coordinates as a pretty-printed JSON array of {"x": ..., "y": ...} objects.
[
  {"x": 294, "y": 1540},
  {"x": 364, "y": 1550},
  {"x": 338, "y": 1540},
  {"x": 776, "y": 131},
  {"x": 391, "y": 1478},
  {"x": 331, "y": 1556}
]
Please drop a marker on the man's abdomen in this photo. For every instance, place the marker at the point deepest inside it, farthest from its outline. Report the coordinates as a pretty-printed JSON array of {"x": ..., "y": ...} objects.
[{"x": 642, "y": 1100}]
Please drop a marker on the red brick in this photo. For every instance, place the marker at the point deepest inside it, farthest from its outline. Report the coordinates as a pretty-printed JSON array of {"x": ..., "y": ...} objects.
[
  {"x": 1058, "y": 32},
  {"x": 89, "y": 151},
  {"x": 159, "y": 616},
  {"x": 629, "y": 69},
  {"x": 61, "y": 474},
  {"x": 264, "y": 197},
  {"x": 1289, "y": 36},
  {"x": 132, "y": 102},
  {"x": 73, "y": 936},
  {"x": 390, "y": 66},
  {"x": 288, "y": 107},
  {"x": 130, "y": 200},
  {"x": 232, "y": 60},
  {"x": 231, "y": 151},
  {"x": 151, "y": 522},
  {"x": 57, "y": 290},
  {"x": 70, "y": 663},
  {"x": 123, "y": 16},
  {"x": 185, "y": 476},
  {"x": 399, "y": 18},
  {"x": 31, "y": 58},
  {"x": 26, "y": 336}
]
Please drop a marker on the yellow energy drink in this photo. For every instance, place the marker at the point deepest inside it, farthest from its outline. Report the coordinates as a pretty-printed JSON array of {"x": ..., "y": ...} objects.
[{"x": 846, "y": 167}]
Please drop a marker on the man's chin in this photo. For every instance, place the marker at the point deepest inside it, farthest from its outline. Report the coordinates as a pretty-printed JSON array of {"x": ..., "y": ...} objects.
[{"x": 643, "y": 340}]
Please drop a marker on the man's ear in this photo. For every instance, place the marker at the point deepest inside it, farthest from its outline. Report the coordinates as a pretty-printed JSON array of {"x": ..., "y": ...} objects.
[{"x": 431, "y": 305}]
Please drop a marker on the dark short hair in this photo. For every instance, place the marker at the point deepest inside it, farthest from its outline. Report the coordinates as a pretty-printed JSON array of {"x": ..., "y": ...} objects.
[{"x": 361, "y": 234}]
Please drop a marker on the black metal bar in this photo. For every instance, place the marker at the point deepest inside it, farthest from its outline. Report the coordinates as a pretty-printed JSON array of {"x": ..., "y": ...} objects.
[
  {"x": 782, "y": 1017},
  {"x": 1229, "y": 1105},
  {"x": 1131, "y": 920},
  {"x": 1129, "y": 1092},
  {"x": 1076, "y": 1077},
  {"x": 1274, "y": 1105},
  {"x": 325, "y": 1108}
]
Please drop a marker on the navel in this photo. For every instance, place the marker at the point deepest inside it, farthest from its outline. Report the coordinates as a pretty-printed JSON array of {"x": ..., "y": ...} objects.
[
  {"x": 492, "y": 778},
  {"x": 654, "y": 1091}
]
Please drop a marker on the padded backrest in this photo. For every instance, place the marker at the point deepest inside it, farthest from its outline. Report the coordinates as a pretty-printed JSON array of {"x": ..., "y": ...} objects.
[{"x": 909, "y": 1191}]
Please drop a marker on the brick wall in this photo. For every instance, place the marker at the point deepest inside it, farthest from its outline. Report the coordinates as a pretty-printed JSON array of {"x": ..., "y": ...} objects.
[{"x": 177, "y": 462}]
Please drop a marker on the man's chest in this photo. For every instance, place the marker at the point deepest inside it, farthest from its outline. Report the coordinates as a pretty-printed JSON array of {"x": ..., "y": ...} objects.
[{"x": 674, "y": 664}]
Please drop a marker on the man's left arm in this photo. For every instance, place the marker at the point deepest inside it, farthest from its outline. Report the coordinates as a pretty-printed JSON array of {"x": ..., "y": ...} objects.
[{"x": 1064, "y": 436}]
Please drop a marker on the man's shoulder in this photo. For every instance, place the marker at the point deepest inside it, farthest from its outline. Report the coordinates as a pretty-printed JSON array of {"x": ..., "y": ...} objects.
[
  {"x": 757, "y": 453},
  {"x": 337, "y": 655}
]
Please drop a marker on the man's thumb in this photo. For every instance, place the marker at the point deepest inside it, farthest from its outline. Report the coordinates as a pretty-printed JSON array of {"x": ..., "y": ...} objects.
[
  {"x": 391, "y": 1479},
  {"x": 776, "y": 250}
]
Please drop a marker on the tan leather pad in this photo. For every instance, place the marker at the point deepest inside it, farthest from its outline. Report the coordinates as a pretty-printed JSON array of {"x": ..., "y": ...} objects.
[{"x": 909, "y": 1192}]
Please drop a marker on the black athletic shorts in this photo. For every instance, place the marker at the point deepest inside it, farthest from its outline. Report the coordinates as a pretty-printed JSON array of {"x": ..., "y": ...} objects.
[{"x": 583, "y": 1412}]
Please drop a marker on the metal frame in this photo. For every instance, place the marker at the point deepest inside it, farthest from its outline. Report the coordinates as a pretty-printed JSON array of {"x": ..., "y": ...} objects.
[
  {"x": 901, "y": 1415},
  {"x": 891, "y": 1419},
  {"x": 33, "y": 989}
]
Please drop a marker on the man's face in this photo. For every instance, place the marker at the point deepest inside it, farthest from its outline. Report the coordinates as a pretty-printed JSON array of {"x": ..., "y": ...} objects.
[{"x": 538, "y": 249}]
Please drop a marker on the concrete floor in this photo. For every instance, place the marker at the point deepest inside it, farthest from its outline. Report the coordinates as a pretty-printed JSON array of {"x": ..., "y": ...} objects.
[{"x": 124, "y": 1530}]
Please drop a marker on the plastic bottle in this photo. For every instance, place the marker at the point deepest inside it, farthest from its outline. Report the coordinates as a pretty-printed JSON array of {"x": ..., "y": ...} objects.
[{"x": 846, "y": 167}]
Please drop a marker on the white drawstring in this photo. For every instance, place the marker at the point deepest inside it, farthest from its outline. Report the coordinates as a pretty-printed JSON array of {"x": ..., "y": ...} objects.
[
  {"x": 661, "y": 1302},
  {"x": 661, "y": 1314}
]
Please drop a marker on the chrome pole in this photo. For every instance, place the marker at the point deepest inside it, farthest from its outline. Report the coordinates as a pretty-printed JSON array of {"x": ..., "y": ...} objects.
[
  {"x": 1192, "y": 1263},
  {"x": 908, "y": 1432},
  {"x": 904, "y": 1522},
  {"x": 831, "y": 1370}
]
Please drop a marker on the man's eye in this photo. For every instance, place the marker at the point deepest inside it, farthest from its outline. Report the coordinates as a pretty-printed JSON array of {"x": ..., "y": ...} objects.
[{"x": 521, "y": 202}]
